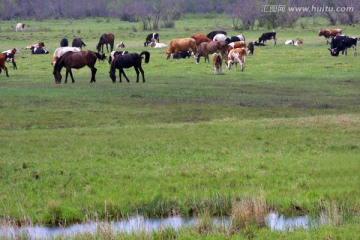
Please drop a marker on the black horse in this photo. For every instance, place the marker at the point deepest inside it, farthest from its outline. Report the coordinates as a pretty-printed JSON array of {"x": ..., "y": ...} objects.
[
  {"x": 106, "y": 39},
  {"x": 64, "y": 42},
  {"x": 76, "y": 60},
  {"x": 77, "y": 42},
  {"x": 127, "y": 61}
]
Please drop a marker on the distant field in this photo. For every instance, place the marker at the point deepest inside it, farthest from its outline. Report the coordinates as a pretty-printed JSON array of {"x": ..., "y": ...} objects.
[{"x": 188, "y": 141}]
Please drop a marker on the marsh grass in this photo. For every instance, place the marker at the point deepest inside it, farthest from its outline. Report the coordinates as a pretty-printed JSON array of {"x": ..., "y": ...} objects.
[{"x": 184, "y": 141}]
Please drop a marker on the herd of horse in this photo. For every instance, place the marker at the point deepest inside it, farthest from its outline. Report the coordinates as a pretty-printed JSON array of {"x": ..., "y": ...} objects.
[{"x": 231, "y": 50}]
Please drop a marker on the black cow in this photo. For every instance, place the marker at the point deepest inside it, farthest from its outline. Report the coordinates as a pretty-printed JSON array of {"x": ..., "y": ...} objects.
[
  {"x": 268, "y": 36},
  {"x": 35, "y": 50},
  {"x": 342, "y": 43},
  {"x": 182, "y": 54},
  {"x": 64, "y": 42},
  {"x": 151, "y": 38},
  {"x": 212, "y": 34}
]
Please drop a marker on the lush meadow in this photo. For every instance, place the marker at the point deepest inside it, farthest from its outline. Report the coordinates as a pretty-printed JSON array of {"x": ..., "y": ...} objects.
[{"x": 286, "y": 130}]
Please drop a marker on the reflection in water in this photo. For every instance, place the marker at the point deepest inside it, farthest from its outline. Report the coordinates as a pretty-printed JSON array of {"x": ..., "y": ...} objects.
[{"x": 139, "y": 223}]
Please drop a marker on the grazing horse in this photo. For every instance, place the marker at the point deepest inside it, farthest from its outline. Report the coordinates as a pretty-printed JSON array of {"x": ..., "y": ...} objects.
[
  {"x": 77, "y": 42},
  {"x": 217, "y": 62},
  {"x": 181, "y": 44},
  {"x": 106, "y": 39},
  {"x": 20, "y": 27},
  {"x": 10, "y": 56},
  {"x": 127, "y": 61},
  {"x": 64, "y": 42},
  {"x": 61, "y": 51},
  {"x": 2, "y": 63},
  {"x": 207, "y": 48},
  {"x": 76, "y": 60}
]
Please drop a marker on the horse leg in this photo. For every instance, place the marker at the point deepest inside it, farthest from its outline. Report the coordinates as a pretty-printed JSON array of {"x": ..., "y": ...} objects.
[
  {"x": 142, "y": 73},
  {"x": 137, "y": 74},
  {"x": 6, "y": 71},
  {"x": 93, "y": 73},
  {"x": 107, "y": 48},
  {"x": 122, "y": 71},
  {"x": 66, "y": 75},
  {"x": 71, "y": 75}
]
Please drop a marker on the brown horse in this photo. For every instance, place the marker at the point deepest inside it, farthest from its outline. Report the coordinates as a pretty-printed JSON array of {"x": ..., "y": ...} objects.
[
  {"x": 76, "y": 60},
  {"x": 106, "y": 39},
  {"x": 206, "y": 48},
  {"x": 77, "y": 42},
  {"x": 2, "y": 63}
]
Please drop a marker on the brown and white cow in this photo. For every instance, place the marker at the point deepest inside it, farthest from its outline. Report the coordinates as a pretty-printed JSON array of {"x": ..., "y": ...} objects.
[
  {"x": 236, "y": 55},
  {"x": 181, "y": 44},
  {"x": 328, "y": 33},
  {"x": 239, "y": 44}
]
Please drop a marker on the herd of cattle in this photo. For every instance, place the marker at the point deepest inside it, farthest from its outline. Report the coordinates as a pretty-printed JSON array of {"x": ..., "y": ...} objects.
[{"x": 231, "y": 50}]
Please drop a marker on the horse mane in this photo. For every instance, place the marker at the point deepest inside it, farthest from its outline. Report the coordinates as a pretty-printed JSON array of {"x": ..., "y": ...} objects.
[{"x": 147, "y": 56}]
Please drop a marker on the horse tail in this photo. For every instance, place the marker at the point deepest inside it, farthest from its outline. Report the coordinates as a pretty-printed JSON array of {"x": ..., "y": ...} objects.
[
  {"x": 147, "y": 56},
  {"x": 83, "y": 43}
]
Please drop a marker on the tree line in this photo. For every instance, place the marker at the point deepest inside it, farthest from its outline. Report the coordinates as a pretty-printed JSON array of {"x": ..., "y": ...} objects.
[{"x": 244, "y": 13}]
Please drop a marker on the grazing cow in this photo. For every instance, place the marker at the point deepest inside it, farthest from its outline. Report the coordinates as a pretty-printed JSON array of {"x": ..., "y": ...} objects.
[
  {"x": 239, "y": 44},
  {"x": 60, "y": 51},
  {"x": 212, "y": 34},
  {"x": 328, "y": 33},
  {"x": 182, "y": 54},
  {"x": 121, "y": 45},
  {"x": 267, "y": 36},
  {"x": 152, "y": 37},
  {"x": 10, "y": 56},
  {"x": 20, "y": 27},
  {"x": 64, "y": 42},
  {"x": 113, "y": 54},
  {"x": 181, "y": 44},
  {"x": 35, "y": 50},
  {"x": 221, "y": 37},
  {"x": 207, "y": 48},
  {"x": 200, "y": 38},
  {"x": 2, "y": 64},
  {"x": 37, "y": 45},
  {"x": 237, "y": 55},
  {"x": 157, "y": 45},
  {"x": 251, "y": 47},
  {"x": 77, "y": 42},
  {"x": 342, "y": 43},
  {"x": 217, "y": 62}
]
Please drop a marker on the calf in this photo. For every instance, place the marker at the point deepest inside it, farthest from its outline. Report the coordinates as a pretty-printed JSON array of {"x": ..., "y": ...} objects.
[
  {"x": 251, "y": 47},
  {"x": 121, "y": 45},
  {"x": 152, "y": 37},
  {"x": 268, "y": 36},
  {"x": 181, "y": 54},
  {"x": 217, "y": 62},
  {"x": 342, "y": 43},
  {"x": 237, "y": 55}
]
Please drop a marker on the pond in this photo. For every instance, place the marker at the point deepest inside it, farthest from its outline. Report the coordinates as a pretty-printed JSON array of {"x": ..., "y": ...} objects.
[{"x": 139, "y": 224}]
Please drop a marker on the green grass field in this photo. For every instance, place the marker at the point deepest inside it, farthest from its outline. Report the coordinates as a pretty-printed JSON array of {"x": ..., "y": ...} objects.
[{"x": 286, "y": 130}]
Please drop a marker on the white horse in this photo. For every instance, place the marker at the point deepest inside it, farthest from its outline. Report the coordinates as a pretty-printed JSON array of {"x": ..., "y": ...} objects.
[
  {"x": 20, "y": 27},
  {"x": 60, "y": 51}
]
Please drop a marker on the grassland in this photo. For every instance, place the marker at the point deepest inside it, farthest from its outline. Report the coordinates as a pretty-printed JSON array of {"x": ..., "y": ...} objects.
[{"x": 186, "y": 141}]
